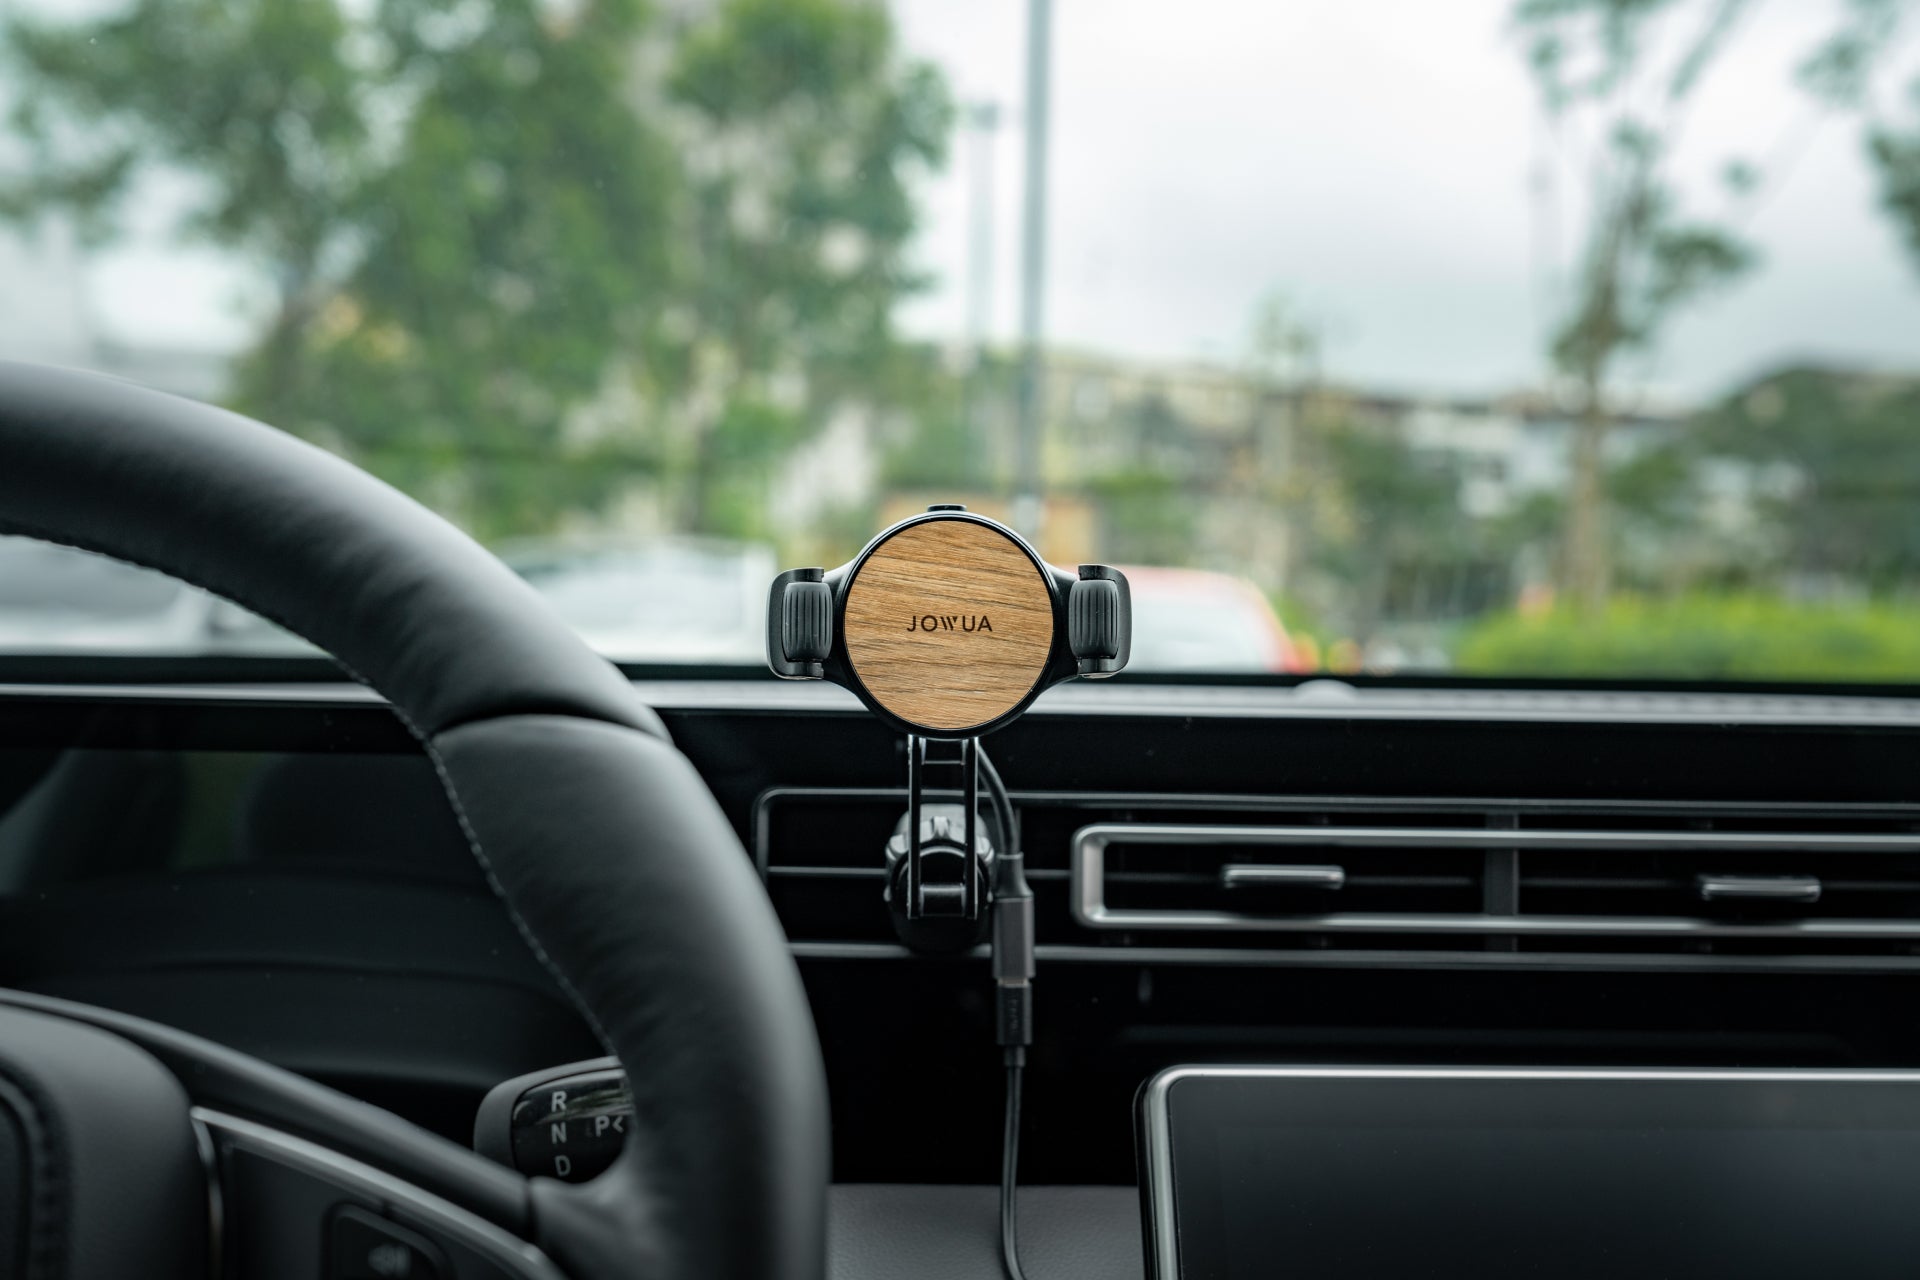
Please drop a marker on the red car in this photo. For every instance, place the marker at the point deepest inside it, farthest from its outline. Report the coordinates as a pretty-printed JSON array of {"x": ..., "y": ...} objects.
[{"x": 1194, "y": 620}]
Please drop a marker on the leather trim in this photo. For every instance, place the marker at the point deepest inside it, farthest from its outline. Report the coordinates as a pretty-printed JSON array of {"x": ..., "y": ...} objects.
[
  {"x": 234, "y": 1083},
  {"x": 120, "y": 1187},
  {"x": 726, "y": 1173},
  {"x": 43, "y": 1245}
]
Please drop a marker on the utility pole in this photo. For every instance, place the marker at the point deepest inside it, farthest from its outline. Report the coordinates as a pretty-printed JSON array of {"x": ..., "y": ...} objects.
[
  {"x": 1029, "y": 492},
  {"x": 983, "y": 122}
]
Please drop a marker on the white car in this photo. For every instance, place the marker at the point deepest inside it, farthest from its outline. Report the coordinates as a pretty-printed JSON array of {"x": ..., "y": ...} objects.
[
  {"x": 680, "y": 599},
  {"x": 57, "y": 599}
]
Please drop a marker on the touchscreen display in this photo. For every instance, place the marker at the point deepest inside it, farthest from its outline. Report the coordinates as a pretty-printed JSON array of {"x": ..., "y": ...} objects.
[{"x": 1462, "y": 1174}]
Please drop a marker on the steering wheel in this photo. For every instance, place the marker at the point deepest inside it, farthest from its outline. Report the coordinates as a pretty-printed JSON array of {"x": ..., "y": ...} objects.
[{"x": 131, "y": 1148}]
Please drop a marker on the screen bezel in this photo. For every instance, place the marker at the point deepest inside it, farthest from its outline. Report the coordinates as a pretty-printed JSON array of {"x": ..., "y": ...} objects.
[{"x": 1156, "y": 1105}]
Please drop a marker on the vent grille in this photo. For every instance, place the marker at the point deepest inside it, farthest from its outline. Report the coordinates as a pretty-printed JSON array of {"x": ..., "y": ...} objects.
[
  {"x": 1403, "y": 876},
  {"x": 820, "y": 854},
  {"x": 1742, "y": 884},
  {"x": 1291, "y": 878}
]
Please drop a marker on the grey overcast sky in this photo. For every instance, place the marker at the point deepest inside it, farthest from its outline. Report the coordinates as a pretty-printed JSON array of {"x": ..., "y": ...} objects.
[{"x": 1369, "y": 159}]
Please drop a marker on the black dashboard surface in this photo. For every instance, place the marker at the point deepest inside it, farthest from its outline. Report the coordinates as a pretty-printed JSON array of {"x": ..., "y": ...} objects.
[{"x": 273, "y": 866}]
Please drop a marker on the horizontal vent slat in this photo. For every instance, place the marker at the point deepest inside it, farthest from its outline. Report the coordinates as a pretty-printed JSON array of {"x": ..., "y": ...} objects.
[{"x": 1415, "y": 875}]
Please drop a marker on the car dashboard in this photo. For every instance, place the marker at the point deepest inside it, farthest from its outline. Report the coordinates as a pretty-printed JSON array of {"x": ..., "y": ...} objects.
[{"x": 1315, "y": 873}]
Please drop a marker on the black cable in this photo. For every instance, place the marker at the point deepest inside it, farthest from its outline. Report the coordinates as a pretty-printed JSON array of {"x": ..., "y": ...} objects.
[
  {"x": 1005, "y": 837},
  {"x": 1013, "y": 995},
  {"x": 1010, "y": 1168}
]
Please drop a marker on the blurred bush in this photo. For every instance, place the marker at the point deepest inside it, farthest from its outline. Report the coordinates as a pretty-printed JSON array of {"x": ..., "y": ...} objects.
[{"x": 1704, "y": 637}]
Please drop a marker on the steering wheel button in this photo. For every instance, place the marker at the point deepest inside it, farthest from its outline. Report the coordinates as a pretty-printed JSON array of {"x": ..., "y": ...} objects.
[{"x": 362, "y": 1246}]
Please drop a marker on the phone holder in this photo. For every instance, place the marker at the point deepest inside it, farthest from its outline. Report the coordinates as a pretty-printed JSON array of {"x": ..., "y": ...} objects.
[{"x": 947, "y": 626}]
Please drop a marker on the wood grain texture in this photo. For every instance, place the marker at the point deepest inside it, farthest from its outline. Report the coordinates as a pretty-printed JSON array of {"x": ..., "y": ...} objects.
[{"x": 991, "y": 616}]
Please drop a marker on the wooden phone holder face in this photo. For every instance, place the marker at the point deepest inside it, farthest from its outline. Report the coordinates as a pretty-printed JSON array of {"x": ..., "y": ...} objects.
[{"x": 948, "y": 625}]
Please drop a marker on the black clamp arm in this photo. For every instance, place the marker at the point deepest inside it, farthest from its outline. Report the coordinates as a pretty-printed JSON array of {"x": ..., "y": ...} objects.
[{"x": 800, "y": 624}]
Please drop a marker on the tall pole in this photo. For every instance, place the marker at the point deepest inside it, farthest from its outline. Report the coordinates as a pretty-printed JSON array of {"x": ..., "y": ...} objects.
[
  {"x": 1027, "y": 508},
  {"x": 983, "y": 121}
]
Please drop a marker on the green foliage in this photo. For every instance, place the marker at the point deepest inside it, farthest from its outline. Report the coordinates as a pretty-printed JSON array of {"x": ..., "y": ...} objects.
[
  {"x": 1383, "y": 522},
  {"x": 1840, "y": 69},
  {"x": 743, "y": 451},
  {"x": 1643, "y": 258},
  {"x": 1300, "y": 618},
  {"x": 1659, "y": 538},
  {"x": 938, "y": 452},
  {"x": 1844, "y": 450},
  {"x": 1386, "y": 505},
  {"x": 1609, "y": 33},
  {"x": 524, "y": 256},
  {"x": 506, "y": 256},
  {"x": 797, "y": 215},
  {"x": 805, "y": 135},
  {"x": 1146, "y": 517},
  {"x": 1703, "y": 638},
  {"x": 257, "y": 97},
  {"x": 1897, "y": 155},
  {"x": 1843, "y": 71}
]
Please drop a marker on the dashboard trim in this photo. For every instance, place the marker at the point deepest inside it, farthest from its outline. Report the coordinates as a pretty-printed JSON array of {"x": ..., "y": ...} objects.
[
  {"x": 1274, "y": 958},
  {"x": 1314, "y": 700},
  {"x": 1090, "y": 908}
]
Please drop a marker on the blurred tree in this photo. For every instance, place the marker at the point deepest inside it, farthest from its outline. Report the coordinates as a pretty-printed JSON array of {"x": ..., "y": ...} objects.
[
  {"x": 1858, "y": 67},
  {"x": 514, "y": 245},
  {"x": 1597, "y": 62},
  {"x": 521, "y": 253},
  {"x": 801, "y": 133},
  {"x": 1147, "y": 516},
  {"x": 1898, "y": 157},
  {"x": 1656, "y": 494},
  {"x": 255, "y": 100},
  {"x": 939, "y": 452},
  {"x": 458, "y": 213},
  {"x": 939, "y": 438},
  {"x": 1388, "y": 516},
  {"x": 1837, "y": 456}
]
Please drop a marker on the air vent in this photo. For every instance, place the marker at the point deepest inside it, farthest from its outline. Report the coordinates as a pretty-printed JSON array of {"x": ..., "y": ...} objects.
[
  {"x": 1260, "y": 878},
  {"x": 1594, "y": 883},
  {"x": 1755, "y": 885},
  {"x": 820, "y": 852},
  {"x": 1500, "y": 880}
]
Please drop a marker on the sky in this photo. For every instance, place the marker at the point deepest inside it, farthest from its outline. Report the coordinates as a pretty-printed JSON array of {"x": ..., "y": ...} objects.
[
  {"x": 1379, "y": 164},
  {"x": 1371, "y": 162}
]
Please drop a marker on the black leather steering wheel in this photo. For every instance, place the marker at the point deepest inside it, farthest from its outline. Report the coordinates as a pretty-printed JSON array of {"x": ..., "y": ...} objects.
[{"x": 117, "y": 1134}]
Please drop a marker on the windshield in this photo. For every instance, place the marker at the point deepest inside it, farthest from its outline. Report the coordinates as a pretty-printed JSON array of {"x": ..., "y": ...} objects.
[{"x": 1510, "y": 338}]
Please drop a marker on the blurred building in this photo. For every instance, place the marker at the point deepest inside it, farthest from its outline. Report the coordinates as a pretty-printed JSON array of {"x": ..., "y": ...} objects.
[
  {"x": 1219, "y": 466},
  {"x": 45, "y": 317},
  {"x": 42, "y": 305},
  {"x": 1510, "y": 448}
]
